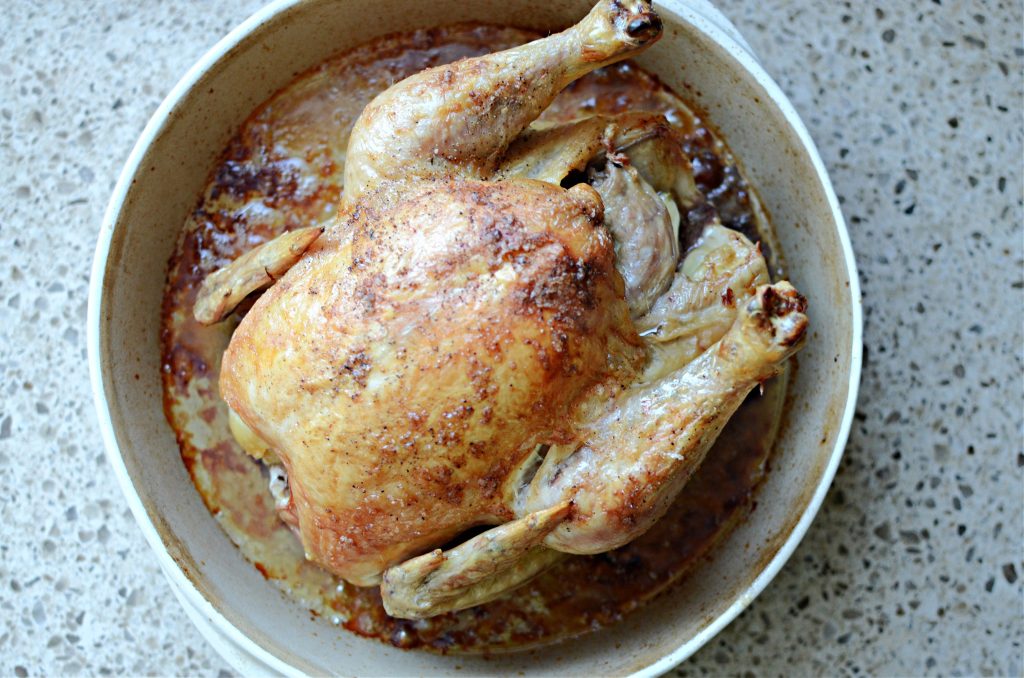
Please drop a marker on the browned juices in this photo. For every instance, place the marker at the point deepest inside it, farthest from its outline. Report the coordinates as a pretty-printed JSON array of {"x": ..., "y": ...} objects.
[{"x": 283, "y": 170}]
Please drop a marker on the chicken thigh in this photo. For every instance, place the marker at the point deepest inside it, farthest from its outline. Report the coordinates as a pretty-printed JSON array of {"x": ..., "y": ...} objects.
[
  {"x": 472, "y": 345},
  {"x": 458, "y": 119}
]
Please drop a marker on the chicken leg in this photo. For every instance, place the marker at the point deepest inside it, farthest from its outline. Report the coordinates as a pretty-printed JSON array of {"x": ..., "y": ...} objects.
[
  {"x": 639, "y": 448},
  {"x": 642, "y": 448},
  {"x": 457, "y": 120}
]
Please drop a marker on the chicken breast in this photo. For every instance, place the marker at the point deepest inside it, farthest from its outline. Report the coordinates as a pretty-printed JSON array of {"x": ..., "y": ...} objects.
[{"x": 420, "y": 351}]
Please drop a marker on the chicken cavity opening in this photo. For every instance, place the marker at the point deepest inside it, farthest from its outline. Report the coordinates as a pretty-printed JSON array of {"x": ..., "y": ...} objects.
[{"x": 279, "y": 488}]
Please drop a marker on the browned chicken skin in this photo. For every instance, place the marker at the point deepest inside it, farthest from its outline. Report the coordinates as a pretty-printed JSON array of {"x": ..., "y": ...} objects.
[
  {"x": 458, "y": 119},
  {"x": 410, "y": 361},
  {"x": 470, "y": 344}
]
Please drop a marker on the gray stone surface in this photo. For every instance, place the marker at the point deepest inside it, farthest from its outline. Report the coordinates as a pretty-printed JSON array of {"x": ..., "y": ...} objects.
[{"x": 914, "y": 566}]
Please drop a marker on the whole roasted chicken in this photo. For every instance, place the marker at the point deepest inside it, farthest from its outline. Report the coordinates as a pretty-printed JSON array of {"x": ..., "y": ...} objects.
[{"x": 472, "y": 345}]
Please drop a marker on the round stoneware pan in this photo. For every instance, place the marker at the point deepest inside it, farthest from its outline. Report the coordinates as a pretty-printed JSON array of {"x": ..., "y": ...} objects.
[{"x": 250, "y": 622}]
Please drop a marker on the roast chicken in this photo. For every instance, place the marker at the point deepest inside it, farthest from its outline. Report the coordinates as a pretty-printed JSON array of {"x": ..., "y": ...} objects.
[{"x": 471, "y": 347}]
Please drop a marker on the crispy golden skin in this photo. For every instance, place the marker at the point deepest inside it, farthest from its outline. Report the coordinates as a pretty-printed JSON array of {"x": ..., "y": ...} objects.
[{"x": 420, "y": 351}]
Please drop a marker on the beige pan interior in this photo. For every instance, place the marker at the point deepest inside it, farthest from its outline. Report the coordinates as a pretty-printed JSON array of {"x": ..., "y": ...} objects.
[{"x": 125, "y": 322}]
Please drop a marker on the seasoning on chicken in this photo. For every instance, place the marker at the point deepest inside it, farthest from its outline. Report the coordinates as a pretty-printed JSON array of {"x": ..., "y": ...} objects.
[{"x": 471, "y": 344}]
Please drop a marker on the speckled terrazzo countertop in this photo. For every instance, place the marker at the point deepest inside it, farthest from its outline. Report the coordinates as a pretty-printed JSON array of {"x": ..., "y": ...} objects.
[{"x": 914, "y": 566}]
